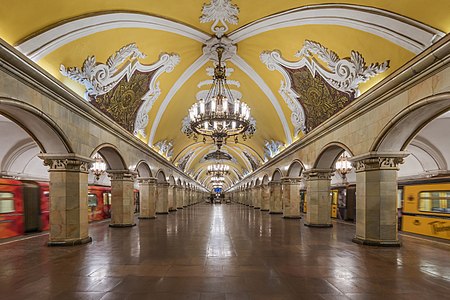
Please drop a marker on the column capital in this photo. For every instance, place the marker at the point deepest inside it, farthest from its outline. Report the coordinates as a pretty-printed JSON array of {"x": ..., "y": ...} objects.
[
  {"x": 272, "y": 183},
  {"x": 378, "y": 161},
  {"x": 163, "y": 184},
  {"x": 318, "y": 174},
  {"x": 291, "y": 180},
  {"x": 146, "y": 180},
  {"x": 69, "y": 162},
  {"x": 121, "y": 174}
]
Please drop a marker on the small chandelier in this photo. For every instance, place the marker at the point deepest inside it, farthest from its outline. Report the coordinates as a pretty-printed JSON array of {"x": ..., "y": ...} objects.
[
  {"x": 343, "y": 166},
  {"x": 218, "y": 169},
  {"x": 220, "y": 116},
  {"x": 99, "y": 166}
]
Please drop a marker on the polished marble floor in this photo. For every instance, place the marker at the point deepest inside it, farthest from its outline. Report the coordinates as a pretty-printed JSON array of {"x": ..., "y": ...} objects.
[{"x": 223, "y": 252}]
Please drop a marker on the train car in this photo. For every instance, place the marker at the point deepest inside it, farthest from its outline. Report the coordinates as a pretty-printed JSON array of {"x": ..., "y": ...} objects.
[
  {"x": 99, "y": 203},
  {"x": 24, "y": 207},
  {"x": 426, "y": 209}
]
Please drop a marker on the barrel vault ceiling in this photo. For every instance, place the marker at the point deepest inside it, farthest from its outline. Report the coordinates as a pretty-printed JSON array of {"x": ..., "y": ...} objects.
[{"x": 65, "y": 33}]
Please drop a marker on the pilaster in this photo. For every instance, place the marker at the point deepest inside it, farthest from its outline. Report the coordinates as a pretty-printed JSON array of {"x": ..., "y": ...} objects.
[
  {"x": 162, "y": 205},
  {"x": 276, "y": 204}
]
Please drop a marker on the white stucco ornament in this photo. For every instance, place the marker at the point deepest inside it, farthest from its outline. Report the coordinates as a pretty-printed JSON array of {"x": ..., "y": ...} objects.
[
  {"x": 219, "y": 11},
  {"x": 99, "y": 78}
]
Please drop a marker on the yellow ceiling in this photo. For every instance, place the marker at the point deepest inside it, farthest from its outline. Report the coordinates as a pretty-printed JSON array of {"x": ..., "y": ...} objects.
[{"x": 25, "y": 19}]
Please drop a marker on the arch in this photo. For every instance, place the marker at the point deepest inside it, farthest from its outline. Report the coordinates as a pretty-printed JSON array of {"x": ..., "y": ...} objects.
[
  {"x": 179, "y": 182},
  {"x": 329, "y": 154},
  {"x": 160, "y": 176},
  {"x": 172, "y": 180},
  {"x": 257, "y": 182},
  {"x": 265, "y": 180},
  {"x": 276, "y": 176},
  {"x": 112, "y": 156},
  {"x": 295, "y": 169},
  {"x": 143, "y": 169},
  {"x": 399, "y": 132},
  {"x": 43, "y": 130}
]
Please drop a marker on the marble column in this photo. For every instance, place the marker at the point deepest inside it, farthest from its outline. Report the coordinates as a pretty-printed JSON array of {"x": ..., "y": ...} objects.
[
  {"x": 162, "y": 206},
  {"x": 68, "y": 199},
  {"x": 122, "y": 198},
  {"x": 180, "y": 197},
  {"x": 265, "y": 195},
  {"x": 290, "y": 194},
  {"x": 171, "y": 198},
  {"x": 256, "y": 199},
  {"x": 318, "y": 197},
  {"x": 376, "y": 198},
  {"x": 185, "y": 196},
  {"x": 275, "y": 205},
  {"x": 147, "y": 195},
  {"x": 248, "y": 197}
]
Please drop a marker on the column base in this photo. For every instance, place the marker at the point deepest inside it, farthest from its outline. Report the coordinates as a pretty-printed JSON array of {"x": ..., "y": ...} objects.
[
  {"x": 256, "y": 207},
  {"x": 376, "y": 243},
  {"x": 173, "y": 209},
  {"x": 264, "y": 209},
  {"x": 73, "y": 242},
  {"x": 292, "y": 217},
  {"x": 121, "y": 225},
  {"x": 147, "y": 218},
  {"x": 275, "y": 212},
  {"x": 180, "y": 207},
  {"x": 319, "y": 225},
  {"x": 162, "y": 213}
]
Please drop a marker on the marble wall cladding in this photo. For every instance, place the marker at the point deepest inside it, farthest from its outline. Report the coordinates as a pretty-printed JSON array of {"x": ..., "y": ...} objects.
[
  {"x": 291, "y": 199},
  {"x": 147, "y": 195},
  {"x": 122, "y": 204},
  {"x": 265, "y": 196},
  {"x": 319, "y": 203},
  {"x": 171, "y": 199},
  {"x": 162, "y": 206},
  {"x": 180, "y": 197}
]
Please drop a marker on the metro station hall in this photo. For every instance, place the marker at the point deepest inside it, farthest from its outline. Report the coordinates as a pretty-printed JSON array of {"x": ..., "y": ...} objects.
[{"x": 225, "y": 149}]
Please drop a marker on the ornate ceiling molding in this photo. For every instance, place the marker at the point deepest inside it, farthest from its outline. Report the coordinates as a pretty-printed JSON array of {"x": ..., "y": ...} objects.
[
  {"x": 344, "y": 75},
  {"x": 219, "y": 11},
  {"x": 244, "y": 66},
  {"x": 271, "y": 148},
  {"x": 176, "y": 86},
  {"x": 100, "y": 79},
  {"x": 48, "y": 41},
  {"x": 165, "y": 148},
  {"x": 402, "y": 31}
]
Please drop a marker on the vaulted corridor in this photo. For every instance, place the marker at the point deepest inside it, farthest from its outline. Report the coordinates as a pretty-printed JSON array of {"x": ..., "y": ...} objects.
[{"x": 223, "y": 252}]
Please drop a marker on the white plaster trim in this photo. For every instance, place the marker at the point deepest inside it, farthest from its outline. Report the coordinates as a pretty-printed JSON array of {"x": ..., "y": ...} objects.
[
  {"x": 177, "y": 85},
  {"x": 244, "y": 66},
  {"x": 404, "y": 32},
  {"x": 39, "y": 46}
]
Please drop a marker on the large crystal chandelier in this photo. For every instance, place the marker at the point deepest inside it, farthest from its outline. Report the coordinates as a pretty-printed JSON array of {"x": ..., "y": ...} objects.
[
  {"x": 220, "y": 116},
  {"x": 343, "y": 166},
  {"x": 98, "y": 167},
  {"x": 218, "y": 169}
]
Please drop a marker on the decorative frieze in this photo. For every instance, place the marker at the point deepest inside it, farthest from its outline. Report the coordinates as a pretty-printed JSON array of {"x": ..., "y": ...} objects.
[
  {"x": 377, "y": 163},
  {"x": 291, "y": 180},
  {"x": 121, "y": 175}
]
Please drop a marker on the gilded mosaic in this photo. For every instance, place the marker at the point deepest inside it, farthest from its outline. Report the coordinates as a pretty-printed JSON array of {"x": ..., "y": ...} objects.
[
  {"x": 319, "y": 99},
  {"x": 123, "y": 101}
]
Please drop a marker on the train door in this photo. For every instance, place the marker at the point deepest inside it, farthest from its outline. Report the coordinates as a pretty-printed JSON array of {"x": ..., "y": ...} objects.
[
  {"x": 31, "y": 207},
  {"x": 334, "y": 202}
]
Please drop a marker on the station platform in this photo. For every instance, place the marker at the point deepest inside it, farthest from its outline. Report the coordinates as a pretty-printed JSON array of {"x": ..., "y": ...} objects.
[{"x": 223, "y": 251}]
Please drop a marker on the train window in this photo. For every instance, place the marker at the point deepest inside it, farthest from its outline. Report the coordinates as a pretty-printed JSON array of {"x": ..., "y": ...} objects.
[
  {"x": 107, "y": 198},
  {"x": 435, "y": 201},
  {"x": 92, "y": 200},
  {"x": 6, "y": 203}
]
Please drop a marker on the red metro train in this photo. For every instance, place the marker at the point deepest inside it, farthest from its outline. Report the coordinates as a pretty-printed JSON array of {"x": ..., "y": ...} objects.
[{"x": 25, "y": 206}]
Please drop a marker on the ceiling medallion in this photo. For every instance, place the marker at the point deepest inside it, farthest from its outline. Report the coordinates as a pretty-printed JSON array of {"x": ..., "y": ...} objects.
[
  {"x": 219, "y": 116},
  {"x": 218, "y": 169}
]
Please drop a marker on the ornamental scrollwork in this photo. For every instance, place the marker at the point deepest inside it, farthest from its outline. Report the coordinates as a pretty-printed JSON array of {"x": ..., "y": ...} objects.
[
  {"x": 219, "y": 11},
  {"x": 330, "y": 85},
  {"x": 165, "y": 148},
  {"x": 123, "y": 82},
  {"x": 271, "y": 148}
]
